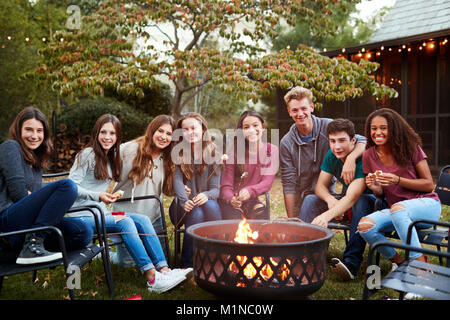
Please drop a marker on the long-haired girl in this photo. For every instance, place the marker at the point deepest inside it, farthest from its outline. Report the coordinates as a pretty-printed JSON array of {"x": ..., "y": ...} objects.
[
  {"x": 23, "y": 203},
  {"x": 148, "y": 169},
  {"x": 398, "y": 170},
  {"x": 243, "y": 180},
  {"x": 196, "y": 179},
  {"x": 93, "y": 170}
]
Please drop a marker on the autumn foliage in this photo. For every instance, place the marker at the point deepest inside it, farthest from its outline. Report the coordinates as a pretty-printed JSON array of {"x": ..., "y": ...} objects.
[{"x": 124, "y": 45}]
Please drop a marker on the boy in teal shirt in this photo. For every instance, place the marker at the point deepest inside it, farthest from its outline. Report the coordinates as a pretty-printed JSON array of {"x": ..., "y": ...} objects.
[{"x": 324, "y": 206}]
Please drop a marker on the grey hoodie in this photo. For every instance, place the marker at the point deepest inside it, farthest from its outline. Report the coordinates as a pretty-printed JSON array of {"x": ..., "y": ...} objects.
[{"x": 300, "y": 162}]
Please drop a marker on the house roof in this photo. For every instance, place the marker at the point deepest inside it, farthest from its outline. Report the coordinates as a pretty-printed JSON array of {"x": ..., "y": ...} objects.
[
  {"x": 408, "y": 21},
  {"x": 413, "y": 17}
]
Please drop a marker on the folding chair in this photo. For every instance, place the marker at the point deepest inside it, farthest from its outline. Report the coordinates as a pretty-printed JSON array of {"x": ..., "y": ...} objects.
[
  {"x": 117, "y": 239},
  {"x": 162, "y": 234},
  {"x": 76, "y": 258},
  {"x": 428, "y": 280}
]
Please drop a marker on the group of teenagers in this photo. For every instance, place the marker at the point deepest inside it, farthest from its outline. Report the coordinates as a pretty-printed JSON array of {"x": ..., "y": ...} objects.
[{"x": 385, "y": 178}]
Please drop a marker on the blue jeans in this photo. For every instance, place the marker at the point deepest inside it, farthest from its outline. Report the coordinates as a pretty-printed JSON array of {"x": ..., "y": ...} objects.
[
  {"x": 385, "y": 221},
  {"x": 354, "y": 250},
  {"x": 210, "y": 211},
  {"x": 145, "y": 249},
  {"x": 46, "y": 207}
]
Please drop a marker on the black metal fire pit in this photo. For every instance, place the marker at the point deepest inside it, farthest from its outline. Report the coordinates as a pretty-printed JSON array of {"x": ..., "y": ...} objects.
[{"x": 288, "y": 258}]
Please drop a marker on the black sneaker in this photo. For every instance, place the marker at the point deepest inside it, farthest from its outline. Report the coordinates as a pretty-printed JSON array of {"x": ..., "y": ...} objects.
[
  {"x": 342, "y": 269},
  {"x": 33, "y": 251}
]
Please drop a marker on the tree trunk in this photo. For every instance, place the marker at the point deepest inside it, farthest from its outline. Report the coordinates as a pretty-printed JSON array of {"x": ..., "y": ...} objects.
[{"x": 176, "y": 104}]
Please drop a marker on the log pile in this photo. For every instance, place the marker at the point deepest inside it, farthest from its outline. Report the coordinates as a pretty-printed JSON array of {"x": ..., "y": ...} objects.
[{"x": 66, "y": 146}]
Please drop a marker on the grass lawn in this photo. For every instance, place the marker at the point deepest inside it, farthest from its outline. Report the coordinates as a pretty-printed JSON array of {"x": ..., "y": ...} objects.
[{"x": 128, "y": 282}]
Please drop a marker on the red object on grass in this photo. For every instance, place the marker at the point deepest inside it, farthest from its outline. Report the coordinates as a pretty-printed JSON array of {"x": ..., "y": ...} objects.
[{"x": 137, "y": 297}]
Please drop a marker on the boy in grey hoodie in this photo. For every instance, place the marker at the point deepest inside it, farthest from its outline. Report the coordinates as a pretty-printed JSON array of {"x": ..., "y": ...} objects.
[{"x": 303, "y": 149}]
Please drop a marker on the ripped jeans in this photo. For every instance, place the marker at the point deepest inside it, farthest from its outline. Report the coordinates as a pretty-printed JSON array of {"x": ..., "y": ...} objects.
[{"x": 372, "y": 227}]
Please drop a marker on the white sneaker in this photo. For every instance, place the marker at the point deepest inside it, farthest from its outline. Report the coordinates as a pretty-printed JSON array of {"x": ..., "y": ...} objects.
[
  {"x": 163, "y": 283},
  {"x": 394, "y": 266},
  {"x": 412, "y": 296},
  {"x": 187, "y": 273}
]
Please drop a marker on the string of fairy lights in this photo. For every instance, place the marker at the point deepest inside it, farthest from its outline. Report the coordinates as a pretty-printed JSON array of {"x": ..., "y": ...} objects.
[
  {"x": 369, "y": 54},
  {"x": 4, "y": 42}
]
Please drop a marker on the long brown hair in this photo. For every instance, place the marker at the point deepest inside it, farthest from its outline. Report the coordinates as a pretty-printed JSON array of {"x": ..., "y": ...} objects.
[
  {"x": 113, "y": 154},
  {"x": 143, "y": 162},
  {"x": 239, "y": 135},
  {"x": 39, "y": 157},
  {"x": 401, "y": 136},
  {"x": 207, "y": 145}
]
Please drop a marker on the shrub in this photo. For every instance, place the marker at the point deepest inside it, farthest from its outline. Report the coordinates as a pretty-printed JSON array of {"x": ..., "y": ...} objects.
[{"x": 81, "y": 116}]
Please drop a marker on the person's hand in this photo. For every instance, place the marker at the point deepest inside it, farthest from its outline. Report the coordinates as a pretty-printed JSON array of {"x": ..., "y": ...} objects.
[
  {"x": 348, "y": 170},
  {"x": 373, "y": 184},
  {"x": 320, "y": 221},
  {"x": 107, "y": 198},
  {"x": 243, "y": 195},
  {"x": 387, "y": 179},
  {"x": 200, "y": 199},
  {"x": 235, "y": 202},
  {"x": 29, "y": 192},
  {"x": 189, "y": 205},
  {"x": 188, "y": 191}
]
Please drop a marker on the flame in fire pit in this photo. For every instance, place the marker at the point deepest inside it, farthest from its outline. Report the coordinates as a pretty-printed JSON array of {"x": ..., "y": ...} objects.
[{"x": 244, "y": 234}]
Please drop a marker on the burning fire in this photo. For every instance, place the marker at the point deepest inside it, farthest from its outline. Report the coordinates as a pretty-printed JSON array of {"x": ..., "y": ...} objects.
[{"x": 244, "y": 234}]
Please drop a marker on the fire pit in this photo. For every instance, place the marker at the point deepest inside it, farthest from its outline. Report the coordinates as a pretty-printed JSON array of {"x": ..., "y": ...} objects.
[{"x": 259, "y": 258}]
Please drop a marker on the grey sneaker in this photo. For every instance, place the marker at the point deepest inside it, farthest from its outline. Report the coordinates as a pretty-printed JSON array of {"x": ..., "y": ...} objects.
[
  {"x": 33, "y": 251},
  {"x": 342, "y": 269}
]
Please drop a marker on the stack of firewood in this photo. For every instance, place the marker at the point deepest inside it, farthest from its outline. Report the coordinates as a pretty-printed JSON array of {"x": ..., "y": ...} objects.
[{"x": 66, "y": 146}]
